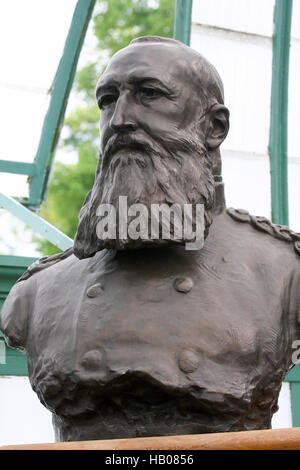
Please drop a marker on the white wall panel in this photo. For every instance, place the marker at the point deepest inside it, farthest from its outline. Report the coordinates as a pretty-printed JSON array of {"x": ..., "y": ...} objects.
[
  {"x": 283, "y": 417},
  {"x": 244, "y": 62},
  {"x": 23, "y": 419},
  {"x": 294, "y": 194},
  {"x": 295, "y": 19},
  {"x": 245, "y": 68},
  {"x": 294, "y": 100},
  {"x": 250, "y": 16},
  {"x": 247, "y": 182}
]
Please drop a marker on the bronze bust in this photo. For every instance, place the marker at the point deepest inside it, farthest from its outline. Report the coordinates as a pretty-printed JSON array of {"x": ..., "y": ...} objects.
[{"x": 126, "y": 338}]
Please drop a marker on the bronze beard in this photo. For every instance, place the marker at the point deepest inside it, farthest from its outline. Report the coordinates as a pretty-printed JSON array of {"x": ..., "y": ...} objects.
[{"x": 147, "y": 171}]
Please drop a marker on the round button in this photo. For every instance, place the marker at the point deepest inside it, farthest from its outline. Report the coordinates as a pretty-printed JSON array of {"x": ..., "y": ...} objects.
[
  {"x": 188, "y": 361},
  {"x": 92, "y": 360},
  {"x": 95, "y": 290},
  {"x": 183, "y": 284}
]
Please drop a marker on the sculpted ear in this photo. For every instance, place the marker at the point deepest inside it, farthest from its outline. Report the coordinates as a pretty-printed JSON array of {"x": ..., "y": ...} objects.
[{"x": 218, "y": 126}]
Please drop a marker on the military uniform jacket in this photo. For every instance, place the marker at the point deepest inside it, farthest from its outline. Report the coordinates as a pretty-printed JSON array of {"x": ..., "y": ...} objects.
[{"x": 211, "y": 329}]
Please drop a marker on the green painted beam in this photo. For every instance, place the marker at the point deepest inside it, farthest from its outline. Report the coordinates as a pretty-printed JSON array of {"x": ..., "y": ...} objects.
[
  {"x": 278, "y": 142},
  {"x": 279, "y": 111},
  {"x": 19, "y": 168},
  {"x": 36, "y": 223},
  {"x": 12, "y": 362},
  {"x": 295, "y": 401},
  {"x": 2, "y": 352},
  {"x": 294, "y": 375},
  {"x": 60, "y": 93},
  {"x": 183, "y": 20},
  {"x": 11, "y": 268},
  {"x": 16, "y": 262}
]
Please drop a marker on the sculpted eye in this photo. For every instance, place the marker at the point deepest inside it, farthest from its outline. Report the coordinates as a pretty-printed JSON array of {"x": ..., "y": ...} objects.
[
  {"x": 151, "y": 93},
  {"x": 106, "y": 100}
]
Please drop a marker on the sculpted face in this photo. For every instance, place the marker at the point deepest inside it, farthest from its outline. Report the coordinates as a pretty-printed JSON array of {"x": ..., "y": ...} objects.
[
  {"x": 159, "y": 119},
  {"x": 144, "y": 91}
]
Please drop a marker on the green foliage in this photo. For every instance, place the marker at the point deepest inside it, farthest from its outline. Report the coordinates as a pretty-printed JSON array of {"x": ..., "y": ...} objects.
[
  {"x": 83, "y": 126},
  {"x": 123, "y": 20},
  {"x": 115, "y": 25},
  {"x": 69, "y": 186}
]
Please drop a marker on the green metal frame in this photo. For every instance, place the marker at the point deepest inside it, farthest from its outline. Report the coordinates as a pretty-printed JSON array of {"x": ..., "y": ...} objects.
[
  {"x": 295, "y": 401},
  {"x": 19, "y": 168},
  {"x": 36, "y": 223},
  {"x": 293, "y": 378},
  {"x": 278, "y": 141},
  {"x": 59, "y": 97},
  {"x": 183, "y": 20},
  {"x": 39, "y": 170},
  {"x": 12, "y": 362},
  {"x": 279, "y": 111}
]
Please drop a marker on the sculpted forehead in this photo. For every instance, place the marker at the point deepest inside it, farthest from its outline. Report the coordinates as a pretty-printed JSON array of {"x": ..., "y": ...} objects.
[{"x": 158, "y": 60}]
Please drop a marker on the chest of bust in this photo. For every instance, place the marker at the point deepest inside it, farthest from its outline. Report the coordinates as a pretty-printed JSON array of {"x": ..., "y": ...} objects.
[{"x": 212, "y": 326}]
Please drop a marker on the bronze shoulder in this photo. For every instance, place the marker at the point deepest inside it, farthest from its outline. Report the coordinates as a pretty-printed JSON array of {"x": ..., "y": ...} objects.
[
  {"x": 281, "y": 232},
  {"x": 45, "y": 262}
]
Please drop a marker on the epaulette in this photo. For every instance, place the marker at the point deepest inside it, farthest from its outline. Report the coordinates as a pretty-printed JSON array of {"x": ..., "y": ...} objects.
[
  {"x": 45, "y": 262},
  {"x": 282, "y": 232}
]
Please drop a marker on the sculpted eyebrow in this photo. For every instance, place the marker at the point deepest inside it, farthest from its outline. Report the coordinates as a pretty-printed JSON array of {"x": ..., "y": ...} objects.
[
  {"x": 107, "y": 87},
  {"x": 112, "y": 86},
  {"x": 149, "y": 80}
]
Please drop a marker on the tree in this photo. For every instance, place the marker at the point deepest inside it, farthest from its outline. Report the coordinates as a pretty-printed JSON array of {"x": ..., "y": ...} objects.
[{"x": 115, "y": 24}]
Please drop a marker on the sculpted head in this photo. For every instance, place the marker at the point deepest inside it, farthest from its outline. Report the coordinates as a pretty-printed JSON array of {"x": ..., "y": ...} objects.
[{"x": 162, "y": 121}]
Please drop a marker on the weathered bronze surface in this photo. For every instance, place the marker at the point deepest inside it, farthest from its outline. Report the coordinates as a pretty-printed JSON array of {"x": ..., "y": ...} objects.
[{"x": 127, "y": 338}]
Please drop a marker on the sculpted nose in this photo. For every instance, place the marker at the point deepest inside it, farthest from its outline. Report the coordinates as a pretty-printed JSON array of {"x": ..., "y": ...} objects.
[{"x": 123, "y": 117}]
